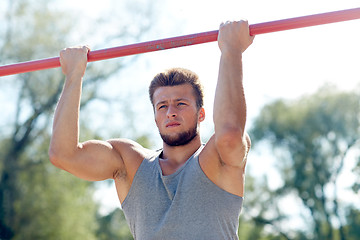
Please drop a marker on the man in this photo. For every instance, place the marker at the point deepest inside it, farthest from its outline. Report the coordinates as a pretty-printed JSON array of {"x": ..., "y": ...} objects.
[{"x": 186, "y": 190}]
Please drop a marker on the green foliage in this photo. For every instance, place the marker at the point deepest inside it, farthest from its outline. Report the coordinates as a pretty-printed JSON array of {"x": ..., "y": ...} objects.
[
  {"x": 53, "y": 204},
  {"x": 24, "y": 146},
  {"x": 353, "y": 229},
  {"x": 356, "y": 170},
  {"x": 312, "y": 138},
  {"x": 259, "y": 203},
  {"x": 113, "y": 226}
]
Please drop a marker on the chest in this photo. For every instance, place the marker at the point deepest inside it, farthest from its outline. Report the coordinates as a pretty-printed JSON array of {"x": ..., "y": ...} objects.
[
  {"x": 167, "y": 168},
  {"x": 185, "y": 202}
]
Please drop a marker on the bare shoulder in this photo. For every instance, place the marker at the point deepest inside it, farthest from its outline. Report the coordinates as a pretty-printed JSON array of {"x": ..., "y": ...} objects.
[
  {"x": 123, "y": 144},
  {"x": 131, "y": 152}
]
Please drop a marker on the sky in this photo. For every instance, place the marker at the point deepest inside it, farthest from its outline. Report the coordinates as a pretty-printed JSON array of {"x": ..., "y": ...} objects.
[{"x": 285, "y": 64}]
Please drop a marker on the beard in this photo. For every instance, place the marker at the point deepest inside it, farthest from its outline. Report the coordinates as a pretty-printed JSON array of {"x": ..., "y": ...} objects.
[{"x": 180, "y": 139}]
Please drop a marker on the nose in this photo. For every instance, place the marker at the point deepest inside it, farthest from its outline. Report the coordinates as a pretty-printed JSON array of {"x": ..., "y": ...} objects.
[{"x": 171, "y": 113}]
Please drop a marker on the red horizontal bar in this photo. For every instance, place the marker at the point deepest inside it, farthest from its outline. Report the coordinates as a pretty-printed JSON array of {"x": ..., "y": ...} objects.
[
  {"x": 187, "y": 40},
  {"x": 152, "y": 46},
  {"x": 305, "y": 21}
]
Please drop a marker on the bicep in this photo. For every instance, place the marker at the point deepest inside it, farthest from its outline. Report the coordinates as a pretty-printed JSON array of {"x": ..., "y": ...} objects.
[{"x": 93, "y": 160}]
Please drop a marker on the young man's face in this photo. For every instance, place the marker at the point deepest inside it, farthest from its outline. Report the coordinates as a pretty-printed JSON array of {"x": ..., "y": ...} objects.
[{"x": 176, "y": 114}]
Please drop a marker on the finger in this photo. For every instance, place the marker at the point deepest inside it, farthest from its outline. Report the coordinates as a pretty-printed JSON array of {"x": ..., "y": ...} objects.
[{"x": 87, "y": 48}]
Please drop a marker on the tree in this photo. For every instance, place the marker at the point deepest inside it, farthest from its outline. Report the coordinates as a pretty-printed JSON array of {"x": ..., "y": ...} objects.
[
  {"x": 312, "y": 138},
  {"x": 113, "y": 226},
  {"x": 259, "y": 203},
  {"x": 52, "y": 204},
  {"x": 38, "y": 201},
  {"x": 353, "y": 223}
]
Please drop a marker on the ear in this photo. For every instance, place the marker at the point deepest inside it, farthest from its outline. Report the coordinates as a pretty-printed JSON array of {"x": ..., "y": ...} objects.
[{"x": 201, "y": 114}]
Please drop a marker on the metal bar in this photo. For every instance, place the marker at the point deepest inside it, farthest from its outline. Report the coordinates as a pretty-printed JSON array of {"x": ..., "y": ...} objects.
[
  {"x": 305, "y": 21},
  {"x": 186, "y": 40}
]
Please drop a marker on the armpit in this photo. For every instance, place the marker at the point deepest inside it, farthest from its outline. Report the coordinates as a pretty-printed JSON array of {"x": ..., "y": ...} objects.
[{"x": 120, "y": 174}]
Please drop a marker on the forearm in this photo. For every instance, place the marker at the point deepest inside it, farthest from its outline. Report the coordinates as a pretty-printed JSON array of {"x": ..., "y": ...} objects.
[
  {"x": 65, "y": 136},
  {"x": 230, "y": 105}
]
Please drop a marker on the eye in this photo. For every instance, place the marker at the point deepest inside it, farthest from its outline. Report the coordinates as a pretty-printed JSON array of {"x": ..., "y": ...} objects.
[
  {"x": 161, "y": 107},
  {"x": 181, "y": 104}
]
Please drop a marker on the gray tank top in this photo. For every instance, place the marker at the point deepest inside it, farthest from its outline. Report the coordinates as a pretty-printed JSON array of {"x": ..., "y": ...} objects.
[{"x": 183, "y": 205}]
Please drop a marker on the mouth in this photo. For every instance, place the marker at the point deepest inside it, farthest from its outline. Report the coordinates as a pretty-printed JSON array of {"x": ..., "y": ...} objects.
[{"x": 172, "y": 124}]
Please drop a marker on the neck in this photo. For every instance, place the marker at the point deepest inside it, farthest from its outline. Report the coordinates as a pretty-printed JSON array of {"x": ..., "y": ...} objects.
[{"x": 179, "y": 154}]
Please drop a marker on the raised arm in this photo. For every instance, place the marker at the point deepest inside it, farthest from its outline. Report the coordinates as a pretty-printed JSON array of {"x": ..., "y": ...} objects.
[
  {"x": 231, "y": 141},
  {"x": 92, "y": 160}
]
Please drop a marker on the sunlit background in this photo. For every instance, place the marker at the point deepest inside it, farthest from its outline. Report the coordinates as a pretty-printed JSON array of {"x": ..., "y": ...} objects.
[{"x": 285, "y": 65}]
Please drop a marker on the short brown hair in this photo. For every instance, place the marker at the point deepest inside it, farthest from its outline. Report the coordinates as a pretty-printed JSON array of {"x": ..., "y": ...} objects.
[{"x": 175, "y": 77}]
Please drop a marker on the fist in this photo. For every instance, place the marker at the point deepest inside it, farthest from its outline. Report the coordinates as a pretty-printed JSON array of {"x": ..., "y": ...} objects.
[
  {"x": 74, "y": 60},
  {"x": 234, "y": 36}
]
